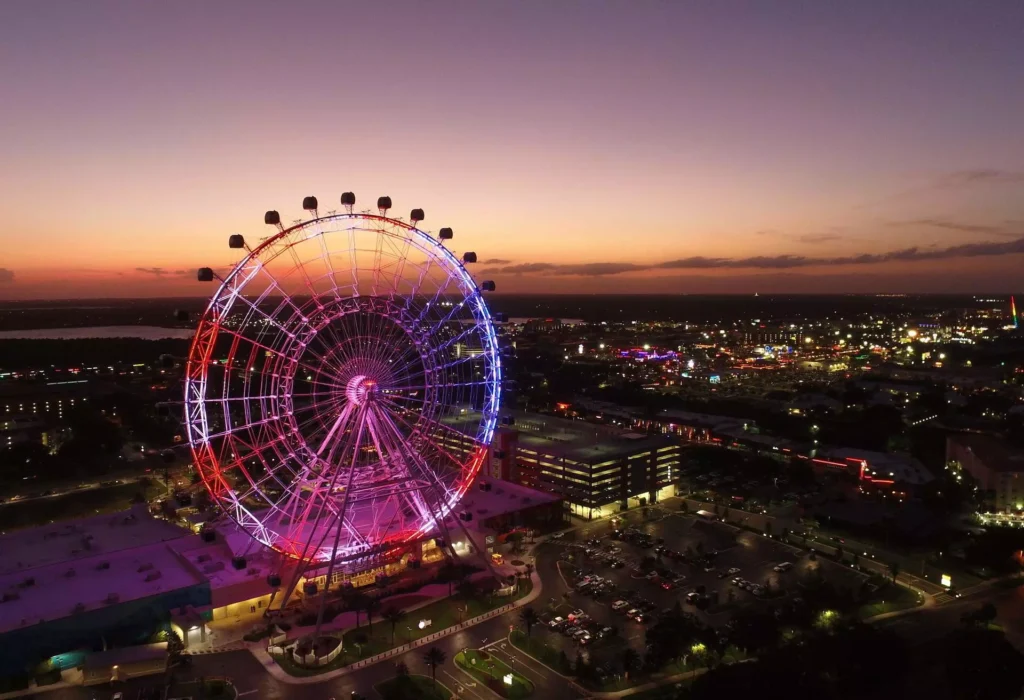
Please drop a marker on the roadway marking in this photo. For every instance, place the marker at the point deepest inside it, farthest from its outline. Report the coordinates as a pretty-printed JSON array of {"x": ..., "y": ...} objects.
[
  {"x": 248, "y": 692},
  {"x": 462, "y": 685},
  {"x": 525, "y": 659}
]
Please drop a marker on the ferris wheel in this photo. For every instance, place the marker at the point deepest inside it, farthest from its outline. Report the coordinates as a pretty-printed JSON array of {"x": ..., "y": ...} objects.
[{"x": 343, "y": 384}]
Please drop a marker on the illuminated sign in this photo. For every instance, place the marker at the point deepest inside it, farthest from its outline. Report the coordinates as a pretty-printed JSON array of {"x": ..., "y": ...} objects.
[
  {"x": 508, "y": 679},
  {"x": 715, "y": 379},
  {"x": 946, "y": 580},
  {"x": 423, "y": 624}
]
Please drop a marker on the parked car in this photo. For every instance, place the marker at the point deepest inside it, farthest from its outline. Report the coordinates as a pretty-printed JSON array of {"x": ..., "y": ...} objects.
[{"x": 783, "y": 567}]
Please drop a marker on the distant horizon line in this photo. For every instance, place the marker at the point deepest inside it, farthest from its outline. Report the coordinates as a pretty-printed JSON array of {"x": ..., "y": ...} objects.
[{"x": 1007, "y": 294}]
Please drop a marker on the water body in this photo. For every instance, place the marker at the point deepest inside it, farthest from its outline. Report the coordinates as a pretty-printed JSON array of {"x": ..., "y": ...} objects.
[{"x": 140, "y": 332}]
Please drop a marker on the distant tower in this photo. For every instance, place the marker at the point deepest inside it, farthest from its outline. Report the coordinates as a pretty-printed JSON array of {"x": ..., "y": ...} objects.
[{"x": 1013, "y": 312}]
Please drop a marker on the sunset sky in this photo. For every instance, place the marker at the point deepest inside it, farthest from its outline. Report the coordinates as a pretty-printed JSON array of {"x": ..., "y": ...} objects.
[{"x": 630, "y": 146}]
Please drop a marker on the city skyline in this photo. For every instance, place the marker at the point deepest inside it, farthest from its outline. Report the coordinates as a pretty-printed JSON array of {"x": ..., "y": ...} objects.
[{"x": 575, "y": 148}]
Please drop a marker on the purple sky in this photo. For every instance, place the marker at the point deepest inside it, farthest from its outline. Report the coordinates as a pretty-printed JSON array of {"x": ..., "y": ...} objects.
[{"x": 622, "y": 146}]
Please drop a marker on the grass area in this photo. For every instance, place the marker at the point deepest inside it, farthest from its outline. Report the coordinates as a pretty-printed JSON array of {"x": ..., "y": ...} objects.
[
  {"x": 891, "y": 599},
  {"x": 491, "y": 671},
  {"x": 442, "y": 614},
  {"x": 82, "y": 504},
  {"x": 541, "y": 651},
  {"x": 412, "y": 688}
]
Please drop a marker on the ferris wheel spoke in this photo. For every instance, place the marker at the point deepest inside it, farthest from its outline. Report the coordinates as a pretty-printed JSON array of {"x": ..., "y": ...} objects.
[{"x": 426, "y": 475}]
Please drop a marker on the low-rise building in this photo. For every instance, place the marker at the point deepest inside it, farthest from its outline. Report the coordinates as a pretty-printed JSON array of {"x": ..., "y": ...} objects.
[
  {"x": 595, "y": 469},
  {"x": 995, "y": 464}
]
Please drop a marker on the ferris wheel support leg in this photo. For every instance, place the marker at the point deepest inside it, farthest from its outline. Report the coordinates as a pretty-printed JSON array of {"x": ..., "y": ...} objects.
[
  {"x": 363, "y": 417},
  {"x": 305, "y": 550}
]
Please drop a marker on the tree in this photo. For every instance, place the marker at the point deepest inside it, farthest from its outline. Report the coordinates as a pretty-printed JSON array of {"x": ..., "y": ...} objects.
[
  {"x": 371, "y": 606},
  {"x": 839, "y": 552},
  {"x": 894, "y": 570},
  {"x": 528, "y": 616},
  {"x": 357, "y": 602},
  {"x": 980, "y": 663},
  {"x": 528, "y": 570},
  {"x": 393, "y": 616},
  {"x": 401, "y": 669},
  {"x": 629, "y": 657},
  {"x": 768, "y": 527},
  {"x": 684, "y": 506},
  {"x": 434, "y": 657}
]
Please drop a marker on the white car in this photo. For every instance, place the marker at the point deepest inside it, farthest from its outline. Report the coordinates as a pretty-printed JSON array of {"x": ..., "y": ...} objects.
[
  {"x": 619, "y": 605},
  {"x": 732, "y": 572},
  {"x": 783, "y": 567}
]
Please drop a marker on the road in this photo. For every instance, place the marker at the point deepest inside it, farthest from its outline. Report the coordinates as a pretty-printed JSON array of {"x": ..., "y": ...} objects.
[{"x": 253, "y": 681}]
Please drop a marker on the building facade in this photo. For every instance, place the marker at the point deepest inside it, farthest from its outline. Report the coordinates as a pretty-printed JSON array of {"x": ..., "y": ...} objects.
[{"x": 996, "y": 465}]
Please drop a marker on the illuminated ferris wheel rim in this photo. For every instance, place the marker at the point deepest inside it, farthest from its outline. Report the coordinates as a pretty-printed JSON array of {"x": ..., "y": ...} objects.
[{"x": 358, "y": 387}]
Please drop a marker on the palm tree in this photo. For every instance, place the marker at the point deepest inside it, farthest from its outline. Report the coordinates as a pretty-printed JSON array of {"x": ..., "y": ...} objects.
[
  {"x": 529, "y": 618},
  {"x": 529, "y": 569},
  {"x": 434, "y": 657},
  {"x": 357, "y": 602},
  {"x": 371, "y": 606},
  {"x": 466, "y": 589},
  {"x": 393, "y": 616},
  {"x": 629, "y": 658}
]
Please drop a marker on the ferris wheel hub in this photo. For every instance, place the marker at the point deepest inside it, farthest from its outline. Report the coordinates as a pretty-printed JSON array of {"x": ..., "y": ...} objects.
[{"x": 362, "y": 389}]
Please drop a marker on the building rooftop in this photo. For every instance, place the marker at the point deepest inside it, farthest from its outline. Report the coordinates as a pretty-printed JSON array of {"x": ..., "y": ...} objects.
[
  {"x": 995, "y": 453},
  {"x": 580, "y": 441},
  {"x": 502, "y": 497},
  {"x": 65, "y": 542},
  {"x": 65, "y": 588}
]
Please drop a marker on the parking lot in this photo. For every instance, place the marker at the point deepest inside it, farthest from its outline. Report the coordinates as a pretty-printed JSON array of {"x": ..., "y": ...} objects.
[{"x": 622, "y": 574}]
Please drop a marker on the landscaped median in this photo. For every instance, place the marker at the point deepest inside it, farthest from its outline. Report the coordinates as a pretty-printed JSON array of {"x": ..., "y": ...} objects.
[
  {"x": 412, "y": 688},
  {"x": 494, "y": 673},
  {"x": 364, "y": 642},
  {"x": 425, "y": 621}
]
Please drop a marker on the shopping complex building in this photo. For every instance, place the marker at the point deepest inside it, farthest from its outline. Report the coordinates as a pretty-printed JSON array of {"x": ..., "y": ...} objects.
[
  {"x": 123, "y": 580},
  {"x": 596, "y": 470}
]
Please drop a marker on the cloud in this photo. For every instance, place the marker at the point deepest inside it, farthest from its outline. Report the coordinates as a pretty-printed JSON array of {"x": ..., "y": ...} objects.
[
  {"x": 6, "y": 276},
  {"x": 160, "y": 273},
  {"x": 765, "y": 262},
  {"x": 819, "y": 237},
  {"x": 957, "y": 226},
  {"x": 965, "y": 178},
  {"x": 495, "y": 261}
]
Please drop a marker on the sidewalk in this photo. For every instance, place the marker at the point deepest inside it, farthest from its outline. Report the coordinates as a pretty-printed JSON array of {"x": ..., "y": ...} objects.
[{"x": 267, "y": 661}]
